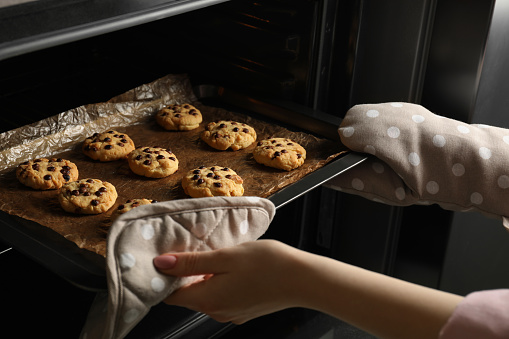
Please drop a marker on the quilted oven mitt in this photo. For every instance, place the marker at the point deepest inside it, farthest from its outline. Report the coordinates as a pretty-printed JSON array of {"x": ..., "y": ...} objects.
[
  {"x": 418, "y": 157},
  {"x": 136, "y": 237}
]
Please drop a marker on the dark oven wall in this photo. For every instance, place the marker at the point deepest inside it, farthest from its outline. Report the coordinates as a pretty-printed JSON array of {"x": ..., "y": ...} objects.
[{"x": 267, "y": 48}]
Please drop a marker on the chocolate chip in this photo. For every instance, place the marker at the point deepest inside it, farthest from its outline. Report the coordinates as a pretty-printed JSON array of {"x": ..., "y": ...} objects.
[
  {"x": 86, "y": 194},
  {"x": 47, "y": 177},
  {"x": 235, "y": 129},
  {"x": 138, "y": 157},
  {"x": 98, "y": 193},
  {"x": 103, "y": 189},
  {"x": 218, "y": 184},
  {"x": 196, "y": 177},
  {"x": 67, "y": 177},
  {"x": 90, "y": 180},
  {"x": 245, "y": 130},
  {"x": 121, "y": 207},
  {"x": 147, "y": 162},
  {"x": 37, "y": 160},
  {"x": 217, "y": 177},
  {"x": 228, "y": 176},
  {"x": 59, "y": 159},
  {"x": 210, "y": 175},
  {"x": 94, "y": 202},
  {"x": 284, "y": 151},
  {"x": 108, "y": 147},
  {"x": 35, "y": 167},
  {"x": 172, "y": 158},
  {"x": 51, "y": 169},
  {"x": 197, "y": 171},
  {"x": 226, "y": 169},
  {"x": 260, "y": 143},
  {"x": 107, "y": 139},
  {"x": 146, "y": 150},
  {"x": 222, "y": 125},
  {"x": 67, "y": 168},
  {"x": 111, "y": 132},
  {"x": 83, "y": 189},
  {"x": 299, "y": 155},
  {"x": 200, "y": 181},
  {"x": 177, "y": 115},
  {"x": 120, "y": 144},
  {"x": 277, "y": 154},
  {"x": 75, "y": 192},
  {"x": 160, "y": 156}
]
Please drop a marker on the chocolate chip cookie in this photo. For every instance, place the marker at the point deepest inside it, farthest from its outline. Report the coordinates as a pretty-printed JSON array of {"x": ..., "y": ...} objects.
[
  {"x": 224, "y": 134},
  {"x": 108, "y": 146},
  {"x": 279, "y": 153},
  {"x": 212, "y": 181},
  {"x": 179, "y": 117},
  {"x": 152, "y": 162},
  {"x": 87, "y": 196},
  {"x": 46, "y": 174},
  {"x": 129, "y": 205}
]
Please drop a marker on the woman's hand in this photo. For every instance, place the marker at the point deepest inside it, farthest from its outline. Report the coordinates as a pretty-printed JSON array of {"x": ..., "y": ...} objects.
[
  {"x": 256, "y": 278},
  {"x": 240, "y": 283}
]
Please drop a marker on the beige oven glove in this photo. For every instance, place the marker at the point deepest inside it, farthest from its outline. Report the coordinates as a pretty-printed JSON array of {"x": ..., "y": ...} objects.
[
  {"x": 418, "y": 157},
  {"x": 140, "y": 235}
]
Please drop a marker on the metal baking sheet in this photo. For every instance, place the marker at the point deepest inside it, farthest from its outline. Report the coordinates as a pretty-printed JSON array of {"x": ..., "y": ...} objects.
[{"x": 25, "y": 212}]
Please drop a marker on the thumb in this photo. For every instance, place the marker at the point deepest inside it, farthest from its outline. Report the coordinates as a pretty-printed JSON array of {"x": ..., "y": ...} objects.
[{"x": 187, "y": 263}]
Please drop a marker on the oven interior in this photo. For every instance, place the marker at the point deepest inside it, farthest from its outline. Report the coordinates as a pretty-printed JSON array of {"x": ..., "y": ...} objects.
[{"x": 280, "y": 52}]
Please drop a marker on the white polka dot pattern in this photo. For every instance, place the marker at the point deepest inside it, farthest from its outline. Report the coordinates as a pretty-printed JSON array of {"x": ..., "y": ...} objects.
[
  {"x": 418, "y": 157},
  {"x": 136, "y": 238}
]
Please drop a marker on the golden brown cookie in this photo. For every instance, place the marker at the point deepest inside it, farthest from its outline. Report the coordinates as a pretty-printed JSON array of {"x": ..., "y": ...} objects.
[
  {"x": 87, "y": 196},
  {"x": 225, "y": 134},
  {"x": 129, "y": 205},
  {"x": 108, "y": 146},
  {"x": 152, "y": 162},
  {"x": 212, "y": 181},
  {"x": 46, "y": 174},
  {"x": 279, "y": 153},
  {"x": 176, "y": 117}
]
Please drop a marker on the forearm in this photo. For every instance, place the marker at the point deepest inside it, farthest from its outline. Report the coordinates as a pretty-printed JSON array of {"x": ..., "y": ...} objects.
[{"x": 384, "y": 306}]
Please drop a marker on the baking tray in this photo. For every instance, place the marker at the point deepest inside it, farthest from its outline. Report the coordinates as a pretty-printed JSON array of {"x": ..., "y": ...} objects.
[{"x": 86, "y": 269}]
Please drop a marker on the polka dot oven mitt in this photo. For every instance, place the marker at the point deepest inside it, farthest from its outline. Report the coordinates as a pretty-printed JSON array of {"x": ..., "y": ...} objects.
[
  {"x": 418, "y": 157},
  {"x": 135, "y": 238}
]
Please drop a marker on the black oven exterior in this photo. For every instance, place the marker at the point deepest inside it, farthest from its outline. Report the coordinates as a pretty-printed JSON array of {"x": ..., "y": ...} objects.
[{"x": 318, "y": 57}]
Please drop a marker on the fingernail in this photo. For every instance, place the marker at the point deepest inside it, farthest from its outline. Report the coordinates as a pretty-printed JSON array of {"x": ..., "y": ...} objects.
[{"x": 165, "y": 262}]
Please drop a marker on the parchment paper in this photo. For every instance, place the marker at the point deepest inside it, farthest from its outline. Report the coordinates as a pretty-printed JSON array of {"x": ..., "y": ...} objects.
[{"x": 133, "y": 113}]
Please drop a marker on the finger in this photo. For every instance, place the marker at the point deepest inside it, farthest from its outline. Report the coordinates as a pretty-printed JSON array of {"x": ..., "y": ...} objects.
[
  {"x": 189, "y": 263},
  {"x": 194, "y": 296}
]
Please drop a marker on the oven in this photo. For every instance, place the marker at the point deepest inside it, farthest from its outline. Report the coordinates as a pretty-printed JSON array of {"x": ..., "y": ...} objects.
[{"x": 299, "y": 64}]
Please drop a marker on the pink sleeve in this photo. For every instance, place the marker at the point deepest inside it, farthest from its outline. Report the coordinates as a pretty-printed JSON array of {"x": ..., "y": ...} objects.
[{"x": 482, "y": 314}]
